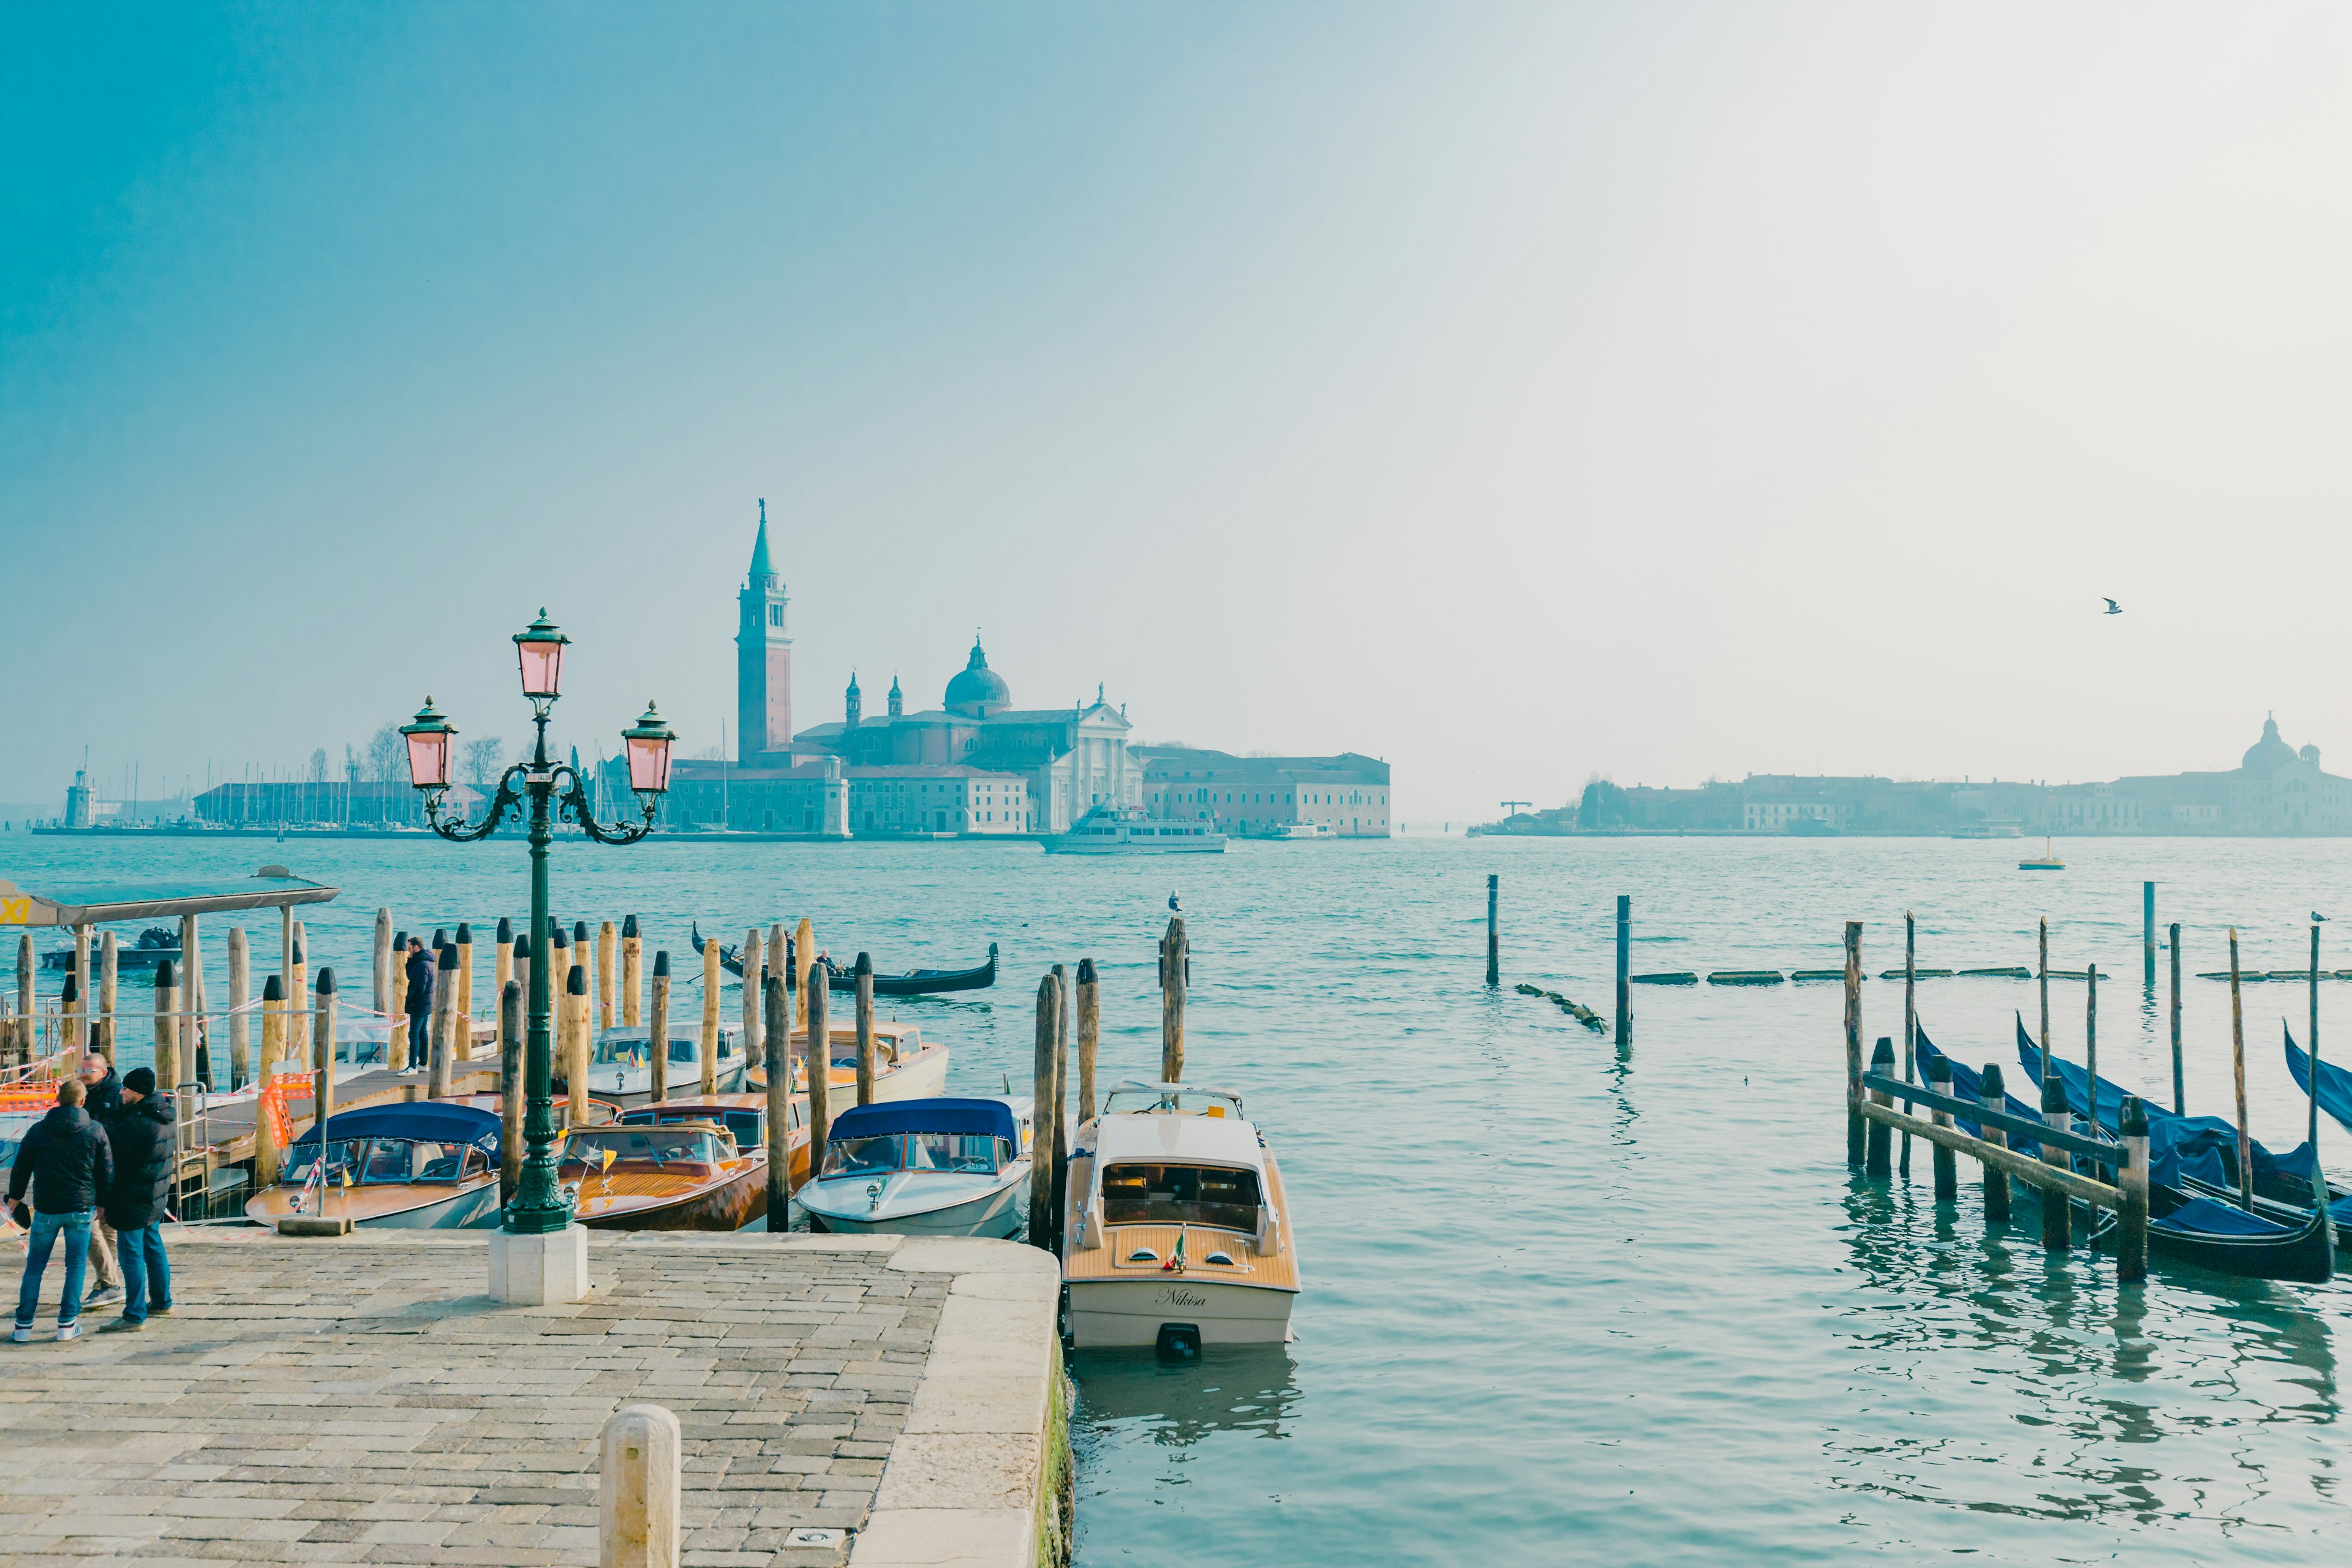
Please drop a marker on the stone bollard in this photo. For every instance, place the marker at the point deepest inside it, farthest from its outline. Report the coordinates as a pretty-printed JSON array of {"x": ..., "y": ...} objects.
[{"x": 638, "y": 1497}]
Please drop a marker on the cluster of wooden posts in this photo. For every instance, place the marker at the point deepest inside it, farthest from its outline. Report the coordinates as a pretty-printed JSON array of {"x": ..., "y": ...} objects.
[
  {"x": 1624, "y": 1028},
  {"x": 1872, "y": 1119}
]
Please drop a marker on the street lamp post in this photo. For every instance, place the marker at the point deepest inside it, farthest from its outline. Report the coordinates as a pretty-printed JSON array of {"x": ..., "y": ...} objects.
[{"x": 552, "y": 790}]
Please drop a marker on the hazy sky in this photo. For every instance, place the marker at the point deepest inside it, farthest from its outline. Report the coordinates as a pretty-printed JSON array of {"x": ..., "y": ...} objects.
[{"x": 1513, "y": 392}]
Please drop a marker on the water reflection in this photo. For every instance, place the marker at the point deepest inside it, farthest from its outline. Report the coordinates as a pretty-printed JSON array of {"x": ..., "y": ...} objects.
[{"x": 1132, "y": 1395}]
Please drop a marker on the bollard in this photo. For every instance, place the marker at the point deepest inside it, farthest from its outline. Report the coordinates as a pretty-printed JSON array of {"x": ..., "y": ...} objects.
[
  {"x": 69, "y": 1015},
  {"x": 865, "y": 974},
  {"x": 1040, "y": 1126},
  {"x": 633, "y": 984},
  {"x": 2131, "y": 1231},
  {"x": 511, "y": 1090},
  {"x": 445, "y": 1022},
  {"x": 1175, "y": 973},
  {"x": 240, "y": 990},
  {"x": 197, "y": 1030},
  {"x": 267, "y": 1158},
  {"x": 108, "y": 968},
  {"x": 1853, "y": 1118},
  {"x": 461, "y": 1034},
  {"x": 521, "y": 977},
  {"x": 1494, "y": 935},
  {"x": 1996, "y": 1180},
  {"x": 383, "y": 960},
  {"x": 1947, "y": 1164},
  {"x": 2057, "y": 1208},
  {"x": 2180, "y": 1086},
  {"x": 1089, "y": 1032},
  {"x": 638, "y": 1489},
  {"x": 816, "y": 1052},
  {"x": 1880, "y": 1164},
  {"x": 167, "y": 1028},
  {"x": 608, "y": 948},
  {"x": 575, "y": 1042},
  {"x": 710, "y": 1001},
  {"x": 755, "y": 978},
  {"x": 778, "y": 1066},
  {"x": 322, "y": 1063},
  {"x": 657, "y": 1028},
  {"x": 1624, "y": 968}
]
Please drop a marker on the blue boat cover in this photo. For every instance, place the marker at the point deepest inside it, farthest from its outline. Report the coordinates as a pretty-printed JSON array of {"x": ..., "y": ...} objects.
[
  {"x": 2335, "y": 1083},
  {"x": 1969, "y": 1084},
  {"x": 426, "y": 1118},
  {"x": 2214, "y": 1218},
  {"x": 983, "y": 1118}
]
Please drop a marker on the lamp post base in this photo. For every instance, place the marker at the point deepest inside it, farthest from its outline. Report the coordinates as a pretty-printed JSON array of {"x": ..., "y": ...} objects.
[{"x": 543, "y": 1270}]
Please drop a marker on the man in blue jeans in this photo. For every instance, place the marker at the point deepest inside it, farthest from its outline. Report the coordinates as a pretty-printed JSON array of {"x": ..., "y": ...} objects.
[
  {"x": 68, "y": 1165},
  {"x": 139, "y": 1133}
]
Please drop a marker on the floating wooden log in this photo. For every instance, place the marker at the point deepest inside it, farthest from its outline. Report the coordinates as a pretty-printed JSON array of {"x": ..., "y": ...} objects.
[
  {"x": 1746, "y": 978},
  {"x": 2010, "y": 972},
  {"x": 1667, "y": 977},
  {"x": 1898, "y": 973},
  {"x": 1816, "y": 974}
]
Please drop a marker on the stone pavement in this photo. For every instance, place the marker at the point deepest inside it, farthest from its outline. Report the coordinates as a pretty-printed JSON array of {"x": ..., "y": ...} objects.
[{"x": 362, "y": 1400}]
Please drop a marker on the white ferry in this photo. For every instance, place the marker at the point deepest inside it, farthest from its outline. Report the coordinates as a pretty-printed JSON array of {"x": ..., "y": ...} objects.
[{"x": 1106, "y": 830}]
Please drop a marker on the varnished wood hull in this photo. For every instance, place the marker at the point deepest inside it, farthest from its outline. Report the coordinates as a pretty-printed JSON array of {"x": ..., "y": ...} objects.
[
  {"x": 470, "y": 1206},
  {"x": 729, "y": 1204}
]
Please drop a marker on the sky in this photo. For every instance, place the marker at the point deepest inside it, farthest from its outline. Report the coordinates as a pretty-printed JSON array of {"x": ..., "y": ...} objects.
[{"x": 1516, "y": 394}]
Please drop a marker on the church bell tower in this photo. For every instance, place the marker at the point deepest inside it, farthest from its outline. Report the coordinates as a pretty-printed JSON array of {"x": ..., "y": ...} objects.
[{"x": 763, "y": 661}]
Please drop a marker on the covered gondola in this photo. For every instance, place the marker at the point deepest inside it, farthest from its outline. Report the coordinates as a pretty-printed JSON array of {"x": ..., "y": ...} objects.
[{"x": 908, "y": 982}]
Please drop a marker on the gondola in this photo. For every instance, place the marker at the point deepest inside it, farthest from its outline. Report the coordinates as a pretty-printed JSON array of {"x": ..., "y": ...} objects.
[{"x": 910, "y": 983}]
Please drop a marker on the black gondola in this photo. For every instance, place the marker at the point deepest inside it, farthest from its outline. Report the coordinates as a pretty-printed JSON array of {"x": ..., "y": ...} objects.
[{"x": 910, "y": 983}]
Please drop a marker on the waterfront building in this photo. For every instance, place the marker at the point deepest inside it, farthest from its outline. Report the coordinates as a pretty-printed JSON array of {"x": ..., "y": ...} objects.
[{"x": 1348, "y": 795}]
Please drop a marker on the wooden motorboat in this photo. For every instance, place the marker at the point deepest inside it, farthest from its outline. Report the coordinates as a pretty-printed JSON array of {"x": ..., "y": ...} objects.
[
  {"x": 621, "y": 1068},
  {"x": 672, "y": 1166},
  {"x": 924, "y": 1167},
  {"x": 429, "y": 1165},
  {"x": 1176, "y": 1235},
  {"x": 907, "y": 983},
  {"x": 906, "y": 1066}
]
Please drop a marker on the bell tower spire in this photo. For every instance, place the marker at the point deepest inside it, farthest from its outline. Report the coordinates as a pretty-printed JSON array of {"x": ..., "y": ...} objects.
[{"x": 763, "y": 660}]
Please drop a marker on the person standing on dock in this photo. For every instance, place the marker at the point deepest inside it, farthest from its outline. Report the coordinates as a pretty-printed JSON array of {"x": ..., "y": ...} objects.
[
  {"x": 102, "y": 1099},
  {"x": 68, "y": 1163},
  {"x": 140, "y": 1138},
  {"x": 419, "y": 970}
]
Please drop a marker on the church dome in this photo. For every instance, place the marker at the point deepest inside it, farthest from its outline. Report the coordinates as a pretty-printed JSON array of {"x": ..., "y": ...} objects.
[
  {"x": 978, "y": 690},
  {"x": 2267, "y": 754}
]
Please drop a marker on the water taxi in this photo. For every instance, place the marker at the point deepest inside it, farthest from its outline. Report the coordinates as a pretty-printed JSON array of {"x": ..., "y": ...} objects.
[
  {"x": 1109, "y": 830},
  {"x": 2045, "y": 861},
  {"x": 1177, "y": 1234},
  {"x": 621, "y": 1068},
  {"x": 906, "y": 1065},
  {"x": 924, "y": 1167},
  {"x": 432, "y": 1164},
  {"x": 678, "y": 1166}
]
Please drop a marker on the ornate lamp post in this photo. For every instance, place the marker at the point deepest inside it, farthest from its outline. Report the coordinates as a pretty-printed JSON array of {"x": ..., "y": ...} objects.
[{"x": 553, "y": 790}]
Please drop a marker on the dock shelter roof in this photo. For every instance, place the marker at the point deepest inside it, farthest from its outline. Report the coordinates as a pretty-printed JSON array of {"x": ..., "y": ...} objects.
[{"x": 271, "y": 887}]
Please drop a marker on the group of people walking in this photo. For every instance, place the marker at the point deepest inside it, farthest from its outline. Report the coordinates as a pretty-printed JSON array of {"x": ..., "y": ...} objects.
[{"x": 98, "y": 1168}]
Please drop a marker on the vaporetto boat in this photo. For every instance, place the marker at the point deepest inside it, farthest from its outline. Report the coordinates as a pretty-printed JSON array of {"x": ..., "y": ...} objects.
[{"x": 1106, "y": 830}]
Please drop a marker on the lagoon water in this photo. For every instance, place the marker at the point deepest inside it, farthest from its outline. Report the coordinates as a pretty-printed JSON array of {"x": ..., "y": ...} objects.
[{"x": 1565, "y": 1301}]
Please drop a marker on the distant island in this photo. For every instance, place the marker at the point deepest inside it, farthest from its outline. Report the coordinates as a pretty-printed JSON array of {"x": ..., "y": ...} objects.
[{"x": 2275, "y": 791}]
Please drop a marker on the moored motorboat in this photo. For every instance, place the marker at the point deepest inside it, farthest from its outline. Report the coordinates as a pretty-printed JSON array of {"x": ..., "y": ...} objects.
[
  {"x": 662, "y": 1168},
  {"x": 906, "y": 1066},
  {"x": 940, "y": 1166},
  {"x": 155, "y": 944},
  {"x": 621, "y": 1069},
  {"x": 2045, "y": 861},
  {"x": 430, "y": 1165},
  {"x": 1176, "y": 1234}
]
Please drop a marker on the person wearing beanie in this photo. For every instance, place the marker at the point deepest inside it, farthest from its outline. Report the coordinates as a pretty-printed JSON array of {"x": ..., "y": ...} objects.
[
  {"x": 136, "y": 1200},
  {"x": 66, "y": 1162}
]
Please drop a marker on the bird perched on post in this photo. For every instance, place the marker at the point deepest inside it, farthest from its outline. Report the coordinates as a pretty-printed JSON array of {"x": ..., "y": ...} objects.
[
  {"x": 1174, "y": 904},
  {"x": 2113, "y": 608}
]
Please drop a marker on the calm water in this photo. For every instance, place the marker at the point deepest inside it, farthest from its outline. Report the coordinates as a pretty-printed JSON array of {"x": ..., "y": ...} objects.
[{"x": 1562, "y": 1299}]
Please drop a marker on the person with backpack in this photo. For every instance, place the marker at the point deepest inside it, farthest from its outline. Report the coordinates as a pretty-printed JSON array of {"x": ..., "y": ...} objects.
[
  {"x": 139, "y": 1136},
  {"x": 68, "y": 1165}
]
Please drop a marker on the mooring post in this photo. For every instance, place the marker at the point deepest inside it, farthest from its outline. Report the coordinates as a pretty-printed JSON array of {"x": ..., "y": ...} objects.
[
  {"x": 1175, "y": 971},
  {"x": 1058, "y": 1147},
  {"x": 657, "y": 1028},
  {"x": 1910, "y": 1015},
  {"x": 267, "y": 1158},
  {"x": 2041, "y": 968},
  {"x": 1853, "y": 1118},
  {"x": 864, "y": 972},
  {"x": 521, "y": 976},
  {"x": 1494, "y": 934},
  {"x": 502, "y": 956},
  {"x": 803, "y": 951},
  {"x": 299, "y": 1037},
  {"x": 711, "y": 1003},
  {"x": 396, "y": 1049},
  {"x": 755, "y": 1015},
  {"x": 461, "y": 1030},
  {"x": 2147, "y": 932},
  {"x": 383, "y": 960},
  {"x": 2090, "y": 1040},
  {"x": 777, "y": 1062},
  {"x": 1041, "y": 1125},
  {"x": 109, "y": 966},
  {"x": 69, "y": 1019},
  {"x": 2131, "y": 1233},
  {"x": 2180, "y": 1085},
  {"x": 2312, "y": 1137},
  {"x": 445, "y": 986},
  {"x": 2057, "y": 1208},
  {"x": 608, "y": 945},
  {"x": 1089, "y": 1032},
  {"x": 575, "y": 1055},
  {"x": 197, "y": 1031},
  {"x": 1624, "y": 969},
  {"x": 638, "y": 1492},
  {"x": 2238, "y": 1067},
  {"x": 240, "y": 990},
  {"x": 511, "y": 1090},
  {"x": 1880, "y": 1164},
  {"x": 322, "y": 1063},
  {"x": 167, "y": 1028},
  {"x": 1947, "y": 1166},
  {"x": 632, "y": 974},
  {"x": 816, "y": 1050},
  {"x": 83, "y": 939},
  {"x": 25, "y": 1045}
]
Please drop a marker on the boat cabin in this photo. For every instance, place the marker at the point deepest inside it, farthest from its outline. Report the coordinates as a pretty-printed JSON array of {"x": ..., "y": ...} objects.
[
  {"x": 976, "y": 1137},
  {"x": 1180, "y": 1155},
  {"x": 748, "y": 1124},
  {"x": 427, "y": 1142},
  {"x": 626, "y": 1046},
  {"x": 681, "y": 1148}
]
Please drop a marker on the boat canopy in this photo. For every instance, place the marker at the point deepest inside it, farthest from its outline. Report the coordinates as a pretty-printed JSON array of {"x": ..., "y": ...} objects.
[
  {"x": 1182, "y": 1140},
  {"x": 426, "y": 1118},
  {"x": 76, "y": 904},
  {"x": 980, "y": 1118}
]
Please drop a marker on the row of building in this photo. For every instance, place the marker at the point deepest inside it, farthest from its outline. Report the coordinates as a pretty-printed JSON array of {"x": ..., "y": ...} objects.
[{"x": 2275, "y": 789}]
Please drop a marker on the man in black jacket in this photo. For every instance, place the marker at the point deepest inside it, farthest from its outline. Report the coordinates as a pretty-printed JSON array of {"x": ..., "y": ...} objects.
[
  {"x": 66, "y": 1160},
  {"x": 419, "y": 968},
  {"x": 141, "y": 1137}
]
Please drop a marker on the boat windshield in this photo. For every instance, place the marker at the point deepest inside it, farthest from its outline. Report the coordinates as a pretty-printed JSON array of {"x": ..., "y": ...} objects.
[
  {"x": 378, "y": 1161},
  {"x": 1171, "y": 1101},
  {"x": 655, "y": 1146},
  {"x": 621, "y": 1050},
  {"x": 1212, "y": 1195},
  {"x": 959, "y": 1153},
  {"x": 743, "y": 1125}
]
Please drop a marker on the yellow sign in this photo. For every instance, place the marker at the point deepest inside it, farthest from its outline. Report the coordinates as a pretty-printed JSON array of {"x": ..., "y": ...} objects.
[{"x": 17, "y": 911}]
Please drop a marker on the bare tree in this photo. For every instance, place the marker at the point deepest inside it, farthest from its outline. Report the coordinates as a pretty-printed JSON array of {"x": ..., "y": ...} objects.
[
  {"x": 387, "y": 755},
  {"x": 479, "y": 762},
  {"x": 318, "y": 774}
]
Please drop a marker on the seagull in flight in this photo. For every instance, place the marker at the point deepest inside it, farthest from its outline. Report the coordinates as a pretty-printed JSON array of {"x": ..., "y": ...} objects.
[{"x": 2113, "y": 608}]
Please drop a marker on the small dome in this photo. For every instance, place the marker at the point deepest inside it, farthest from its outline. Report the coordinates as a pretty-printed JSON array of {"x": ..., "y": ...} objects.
[
  {"x": 978, "y": 690},
  {"x": 2268, "y": 752},
  {"x": 2310, "y": 754}
]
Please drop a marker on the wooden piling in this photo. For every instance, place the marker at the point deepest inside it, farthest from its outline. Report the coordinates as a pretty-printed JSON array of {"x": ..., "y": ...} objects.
[
  {"x": 521, "y": 960},
  {"x": 2090, "y": 1040},
  {"x": 1947, "y": 1166},
  {"x": 755, "y": 975},
  {"x": 2146, "y": 934},
  {"x": 2312, "y": 1137},
  {"x": 2057, "y": 1208},
  {"x": 398, "y": 1011},
  {"x": 445, "y": 985},
  {"x": 1624, "y": 969},
  {"x": 608, "y": 952},
  {"x": 322, "y": 1063},
  {"x": 710, "y": 1000},
  {"x": 804, "y": 955},
  {"x": 297, "y": 1036},
  {"x": 2131, "y": 1231},
  {"x": 511, "y": 1027},
  {"x": 1058, "y": 1145},
  {"x": 777, "y": 1062},
  {"x": 1493, "y": 931},
  {"x": 633, "y": 979},
  {"x": 1879, "y": 1163},
  {"x": 108, "y": 972},
  {"x": 558, "y": 959},
  {"x": 502, "y": 959},
  {"x": 575, "y": 1055},
  {"x": 84, "y": 939},
  {"x": 2041, "y": 968},
  {"x": 27, "y": 1046},
  {"x": 1853, "y": 1122},
  {"x": 383, "y": 960},
  {"x": 240, "y": 990},
  {"x": 2180, "y": 1085},
  {"x": 1041, "y": 1164},
  {"x": 864, "y": 974},
  {"x": 657, "y": 1027},
  {"x": 2238, "y": 1069},
  {"x": 267, "y": 1158},
  {"x": 72, "y": 1036},
  {"x": 286, "y": 961},
  {"x": 1089, "y": 1033},
  {"x": 816, "y": 1050},
  {"x": 1910, "y": 1015},
  {"x": 1175, "y": 971},
  {"x": 461, "y": 1032},
  {"x": 197, "y": 1030},
  {"x": 167, "y": 1028}
]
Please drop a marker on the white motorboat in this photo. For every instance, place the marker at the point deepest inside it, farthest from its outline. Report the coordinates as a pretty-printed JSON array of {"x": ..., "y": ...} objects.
[
  {"x": 622, "y": 1068},
  {"x": 924, "y": 1167},
  {"x": 906, "y": 1066},
  {"x": 1110, "y": 831},
  {"x": 429, "y": 1165},
  {"x": 1176, "y": 1235}
]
